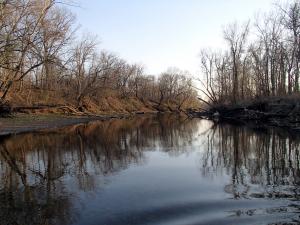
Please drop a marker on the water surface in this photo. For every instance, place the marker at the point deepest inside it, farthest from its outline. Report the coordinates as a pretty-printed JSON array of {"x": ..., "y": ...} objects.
[{"x": 164, "y": 170}]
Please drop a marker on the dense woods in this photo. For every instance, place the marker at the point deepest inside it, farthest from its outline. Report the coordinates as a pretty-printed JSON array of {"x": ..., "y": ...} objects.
[
  {"x": 44, "y": 62},
  {"x": 261, "y": 59}
]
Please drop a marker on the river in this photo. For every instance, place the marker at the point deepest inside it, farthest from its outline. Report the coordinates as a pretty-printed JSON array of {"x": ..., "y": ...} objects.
[{"x": 150, "y": 170}]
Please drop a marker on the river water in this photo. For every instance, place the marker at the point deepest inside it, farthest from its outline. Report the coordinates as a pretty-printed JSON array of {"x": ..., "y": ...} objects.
[{"x": 158, "y": 170}]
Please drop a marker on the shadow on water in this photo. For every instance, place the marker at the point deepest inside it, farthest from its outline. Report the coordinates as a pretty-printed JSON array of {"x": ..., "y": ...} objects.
[
  {"x": 43, "y": 175},
  {"x": 262, "y": 164},
  {"x": 266, "y": 157}
]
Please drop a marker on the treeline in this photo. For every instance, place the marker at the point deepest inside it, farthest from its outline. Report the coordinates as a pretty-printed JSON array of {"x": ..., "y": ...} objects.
[
  {"x": 39, "y": 52},
  {"x": 262, "y": 58}
]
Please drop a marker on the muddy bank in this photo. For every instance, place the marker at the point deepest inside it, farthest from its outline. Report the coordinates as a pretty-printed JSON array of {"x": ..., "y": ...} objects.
[
  {"x": 23, "y": 123},
  {"x": 29, "y": 121},
  {"x": 274, "y": 112}
]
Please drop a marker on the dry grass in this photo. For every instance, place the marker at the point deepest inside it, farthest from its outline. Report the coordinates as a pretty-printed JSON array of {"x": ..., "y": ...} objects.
[{"x": 109, "y": 102}]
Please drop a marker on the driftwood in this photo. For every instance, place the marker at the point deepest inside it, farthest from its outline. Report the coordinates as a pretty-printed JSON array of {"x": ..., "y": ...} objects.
[
  {"x": 34, "y": 107},
  {"x": 26, "y": 109}
]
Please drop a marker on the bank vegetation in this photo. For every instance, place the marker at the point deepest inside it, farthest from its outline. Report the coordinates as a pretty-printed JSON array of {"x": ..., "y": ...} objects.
[
  {"x": 257, "y": 75},
  {"x": 45, "y": 64}
]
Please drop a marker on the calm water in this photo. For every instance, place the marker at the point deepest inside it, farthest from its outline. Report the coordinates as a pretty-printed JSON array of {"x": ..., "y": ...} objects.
[{"x": 150, "y": 170}]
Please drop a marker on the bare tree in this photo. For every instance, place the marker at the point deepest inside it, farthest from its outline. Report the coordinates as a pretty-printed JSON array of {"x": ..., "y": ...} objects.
[
  {"x": 235, "y": 36},
  {"x": 291, "y": 17},
  {"x": 18, "y": 35},
  {"x": 56, "y": 33}
]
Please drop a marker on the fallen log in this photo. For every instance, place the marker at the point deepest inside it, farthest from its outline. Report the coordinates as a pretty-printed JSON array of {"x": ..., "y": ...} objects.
[{"x": 34, "y": 107}]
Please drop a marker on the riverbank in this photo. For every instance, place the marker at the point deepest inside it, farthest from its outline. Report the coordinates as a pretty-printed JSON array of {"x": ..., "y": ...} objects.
[
  {"x": 27, "y": 123},
  {"x": 267, "y": 112},
  {"x": 23, "y": 123},
  {"x": 18, "y": 118}
]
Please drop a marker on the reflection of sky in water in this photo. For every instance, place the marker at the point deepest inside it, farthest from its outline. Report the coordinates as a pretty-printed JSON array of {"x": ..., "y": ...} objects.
[{"x": 165, "y": 170}]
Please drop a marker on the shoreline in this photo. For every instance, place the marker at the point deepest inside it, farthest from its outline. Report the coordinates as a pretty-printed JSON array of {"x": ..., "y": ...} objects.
[
  {"x": 20, "y": 122},
  {"x": 239, "y": 115},
  {"x": 27, "y": 123},
  {"x": 264, "y": 113}
]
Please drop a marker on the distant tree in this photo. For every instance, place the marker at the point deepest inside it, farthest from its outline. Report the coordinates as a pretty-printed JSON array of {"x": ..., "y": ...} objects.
[{"x": 236, "y": 36}]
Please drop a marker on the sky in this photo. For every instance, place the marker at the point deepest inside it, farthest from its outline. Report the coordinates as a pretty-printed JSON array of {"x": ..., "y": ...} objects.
[{"x": 163, "y": 33}]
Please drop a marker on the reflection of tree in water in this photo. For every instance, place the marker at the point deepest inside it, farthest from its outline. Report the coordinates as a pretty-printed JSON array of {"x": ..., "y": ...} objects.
[
  {"x": 34, "y": 168},
  {"x": 267, "y": 159}
]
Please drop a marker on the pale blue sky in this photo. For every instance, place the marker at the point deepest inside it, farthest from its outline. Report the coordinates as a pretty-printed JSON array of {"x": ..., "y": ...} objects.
[{"x": 163, "y": 33}]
